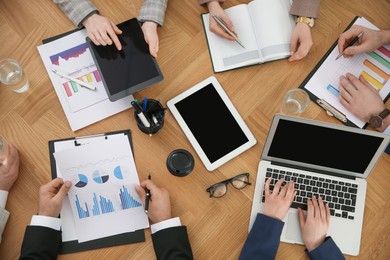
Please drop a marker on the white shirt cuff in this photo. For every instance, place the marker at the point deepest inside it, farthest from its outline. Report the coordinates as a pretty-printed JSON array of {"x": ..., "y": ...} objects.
[
  {"x": 3, "y": 198},
  {"x": 387, "y": 130},
  {"x": 172, "y": 222},
  {"x": 45, "y": 221}
]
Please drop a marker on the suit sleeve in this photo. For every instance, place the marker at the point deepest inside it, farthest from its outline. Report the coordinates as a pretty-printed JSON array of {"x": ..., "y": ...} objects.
[
  {"x": 327, "y": 250},
  {"x": 40, "y": 243},
  {"x": 76, "y": 10},
  {"x": 172, "y": 243},
  {"x": 263, "y": 239}
]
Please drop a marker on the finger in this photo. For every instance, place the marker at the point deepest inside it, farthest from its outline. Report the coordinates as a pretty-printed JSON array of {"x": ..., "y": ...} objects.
[
  {"x": 99, "y": 39},
  {"x": 276, "y": 189},
  {"x": 301, "y": 217},
  {"x": 283, "y": 190},
  {"x": 347, "y": 84},
  {"x": 116, "y": 28},
  {"x": 294, "y": 43},
  {"x": 302, "y": 51},
  {"x": 310, "y": 209},
  {"x": 148, "y": 184},
  {"x": 316, "y": 208},
  {"x": 346, "y": 37},
  {"x": 327, "y": 213},
  {"x": 105, "y": 35},
  {"x": 63, "y": 191},
  {"x": 290, "y": 190},
  {"x": 93, "y": 39},
  {"x": 141, "y": 192},
  {"x": 322, "y": 209},
  {"x": 153, "y": 49},
  {"x": 366, "y": 84},
  {"x": 113, "y": 35},
  {"x": 221, "y": 32},
  {"x": 344, "y": 94},
  {"x": 354, "y": 81},
  {"x": 266, "y": 189}
]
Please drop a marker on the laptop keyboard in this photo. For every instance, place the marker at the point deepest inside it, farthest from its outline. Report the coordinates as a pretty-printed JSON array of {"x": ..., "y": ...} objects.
[{"x": 340, "y": 196}]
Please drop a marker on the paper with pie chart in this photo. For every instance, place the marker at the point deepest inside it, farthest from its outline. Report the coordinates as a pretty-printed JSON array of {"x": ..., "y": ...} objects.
[{"x": 103, "y": 197}]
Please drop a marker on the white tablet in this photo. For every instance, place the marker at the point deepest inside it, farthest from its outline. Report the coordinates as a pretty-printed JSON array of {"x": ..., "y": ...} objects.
[{"x": 211, "y": 123}]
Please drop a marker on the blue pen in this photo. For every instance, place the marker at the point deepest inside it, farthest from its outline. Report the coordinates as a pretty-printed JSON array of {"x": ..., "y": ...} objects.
[{"x": 144, "y": 103}]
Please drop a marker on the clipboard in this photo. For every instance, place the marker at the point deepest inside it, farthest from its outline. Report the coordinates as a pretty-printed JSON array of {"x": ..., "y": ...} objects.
[
  {"x": 73, "y": 246},
  {"x": 327, "y": 106}
]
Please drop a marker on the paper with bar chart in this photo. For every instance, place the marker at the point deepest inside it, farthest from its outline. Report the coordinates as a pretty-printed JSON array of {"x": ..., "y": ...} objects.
[
  {"x": 103, "y": 197},
  {"x": 71, "y": 55},
  {"x": 373, "y": 66}
]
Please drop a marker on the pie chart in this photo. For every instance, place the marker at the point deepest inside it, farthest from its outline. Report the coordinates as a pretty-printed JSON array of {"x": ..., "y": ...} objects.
[
  {"x": 83, "y": 181},
  {"x": 118, "y": 172},
  {"x": 98, "y": 178}
]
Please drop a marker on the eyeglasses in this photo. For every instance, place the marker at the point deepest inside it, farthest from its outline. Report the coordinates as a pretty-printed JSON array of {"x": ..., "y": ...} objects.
[{"x": 219, "y": 189}]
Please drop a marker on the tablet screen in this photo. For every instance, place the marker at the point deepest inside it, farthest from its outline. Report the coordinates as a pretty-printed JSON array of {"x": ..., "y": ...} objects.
[
  {"x": 129, "y": 70},
  {"x": 211, "y": 122}
]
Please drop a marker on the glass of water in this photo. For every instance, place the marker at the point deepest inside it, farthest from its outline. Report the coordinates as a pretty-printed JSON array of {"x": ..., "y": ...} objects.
[
  {"x": 3, "y": 149},
  {"x": 295, "y": 102},
  {"x": 12, "y": 75}
]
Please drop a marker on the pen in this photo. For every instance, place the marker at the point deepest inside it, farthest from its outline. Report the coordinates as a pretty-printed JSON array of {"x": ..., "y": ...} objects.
[
  {"x": 140, "y": 113},
  {"x": 145, "y": 103},
  {"x": 226, "y": 29},
  {"x": 351, "y": 43},
  {"x": 147, "y": 198},
  {"x": 81, "y": 83}
]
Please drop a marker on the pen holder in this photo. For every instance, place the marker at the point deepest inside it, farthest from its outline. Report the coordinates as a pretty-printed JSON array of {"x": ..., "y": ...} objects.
[{"x": 155, "y": 113}]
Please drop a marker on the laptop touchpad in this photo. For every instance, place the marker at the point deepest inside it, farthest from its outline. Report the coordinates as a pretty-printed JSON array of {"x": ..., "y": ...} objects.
[{"x": 293, "y": 231}]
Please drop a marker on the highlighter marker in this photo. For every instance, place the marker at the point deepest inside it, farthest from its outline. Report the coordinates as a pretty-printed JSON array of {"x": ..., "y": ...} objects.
[{"x": 140, "y": 113}]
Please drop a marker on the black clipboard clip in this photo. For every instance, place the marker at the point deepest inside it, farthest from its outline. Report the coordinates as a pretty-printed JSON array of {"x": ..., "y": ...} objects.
[
  {"x": 77, "y": 139},
  {"x": 331, "y": 111}
]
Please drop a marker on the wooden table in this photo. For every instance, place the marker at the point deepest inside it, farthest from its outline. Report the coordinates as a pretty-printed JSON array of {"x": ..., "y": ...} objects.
[{"x": 217, "y": 227}]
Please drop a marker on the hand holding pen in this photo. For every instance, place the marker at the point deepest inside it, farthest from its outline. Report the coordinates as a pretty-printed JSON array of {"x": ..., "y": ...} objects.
[
  {"x": 226, "y": 29},
  {"x": 350, "y": 43},
  {"x": 159, "y": 205}
]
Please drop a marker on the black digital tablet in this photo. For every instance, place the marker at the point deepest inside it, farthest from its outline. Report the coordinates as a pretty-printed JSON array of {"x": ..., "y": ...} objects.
[{"x": 129, "y": 70}]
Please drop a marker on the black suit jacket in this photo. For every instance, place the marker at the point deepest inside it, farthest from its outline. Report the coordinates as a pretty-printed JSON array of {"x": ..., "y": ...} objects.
[
  {"x": 172, "y": 243},
  {"x": 42, "y": 243}
]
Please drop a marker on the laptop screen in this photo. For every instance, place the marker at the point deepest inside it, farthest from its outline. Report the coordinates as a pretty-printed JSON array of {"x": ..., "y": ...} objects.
[{"x": 335, "y": 147}]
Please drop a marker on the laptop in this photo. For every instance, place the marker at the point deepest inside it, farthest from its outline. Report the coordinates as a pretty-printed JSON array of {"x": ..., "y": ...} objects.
[{"x": 327, "y": 160}]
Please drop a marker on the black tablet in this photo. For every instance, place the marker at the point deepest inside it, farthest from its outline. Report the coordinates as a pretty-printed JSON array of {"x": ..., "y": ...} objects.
[{"x": 129, "y": 70}]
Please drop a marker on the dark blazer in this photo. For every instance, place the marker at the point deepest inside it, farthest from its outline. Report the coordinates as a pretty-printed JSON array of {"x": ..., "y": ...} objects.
[
  {"x": 172, "y": 243},
  {"x": 264, "y": 238},
  {"x": 41, "y": 243}
]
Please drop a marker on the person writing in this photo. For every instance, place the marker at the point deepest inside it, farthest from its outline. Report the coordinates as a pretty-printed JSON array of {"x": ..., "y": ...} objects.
[
  {"x": 42, "y": 237},
  {"x": 9, "y": 171},
  {"x": 301, "y": 40},
  {"x": 264, "y": 238},
  {"x": 356, "y": 94},
  {"x": 102, "y": 31}
]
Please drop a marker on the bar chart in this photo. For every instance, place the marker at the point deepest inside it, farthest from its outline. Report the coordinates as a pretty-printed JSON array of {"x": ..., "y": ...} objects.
[
  {"x": 100, "y": 204},
  {"x": 77, "y": 62},
  {"x": 374, "y": 67}
]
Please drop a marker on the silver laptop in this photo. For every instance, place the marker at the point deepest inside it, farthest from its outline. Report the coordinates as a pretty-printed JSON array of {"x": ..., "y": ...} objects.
[{"x": 327, "y": 160}]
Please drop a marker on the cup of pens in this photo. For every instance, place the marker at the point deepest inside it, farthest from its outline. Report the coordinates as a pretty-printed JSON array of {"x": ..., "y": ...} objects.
[{"x": 149, "y": 115}]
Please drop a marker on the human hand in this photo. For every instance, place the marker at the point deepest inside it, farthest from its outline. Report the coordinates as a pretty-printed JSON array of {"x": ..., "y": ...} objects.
[
  {"x": 51, "y": 196},
  {"x": 151, "y": 37},
  {"x": 301, "y": 41},
  {"x": 159, "y": 204},
  {"x": 359, "y": 97},
  {"x": 215, "y": 9},
  {"x": 279, "y": 201},
  {"x": 369, "y": 41},
  {"x": 316, "y": 224},
  {"x": 102, "y": 31},
  {"x": 9, "y": 169}
]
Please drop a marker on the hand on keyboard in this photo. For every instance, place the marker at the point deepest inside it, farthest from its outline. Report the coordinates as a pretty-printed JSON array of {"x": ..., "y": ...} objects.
[
  {"x": 278, "y": 201},
  {"x": 316, "y": 224}
]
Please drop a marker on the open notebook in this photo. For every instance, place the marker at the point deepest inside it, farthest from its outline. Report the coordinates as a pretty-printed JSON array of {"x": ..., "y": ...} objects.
[{"x": 264, "y": 37}]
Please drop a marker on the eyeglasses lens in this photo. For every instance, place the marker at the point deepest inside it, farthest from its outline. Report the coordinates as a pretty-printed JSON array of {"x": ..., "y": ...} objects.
[
  {"x": 218, "y": 190},
  {"x": 240, "y": 181}
]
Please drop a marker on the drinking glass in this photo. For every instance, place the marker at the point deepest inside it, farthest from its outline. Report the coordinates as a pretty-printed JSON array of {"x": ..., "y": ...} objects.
[{"x": 12, "y": 75}]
